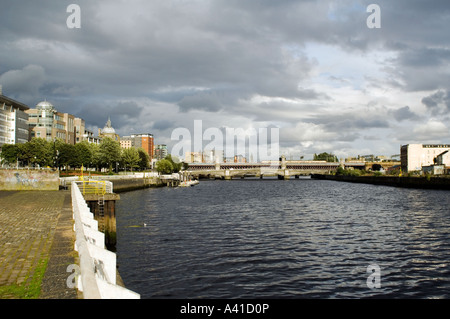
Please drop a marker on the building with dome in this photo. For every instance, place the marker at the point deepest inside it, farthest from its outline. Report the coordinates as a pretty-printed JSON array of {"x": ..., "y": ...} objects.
[
  {"x": 46, "y": 122},
  {"x": 108, "y": 131}
]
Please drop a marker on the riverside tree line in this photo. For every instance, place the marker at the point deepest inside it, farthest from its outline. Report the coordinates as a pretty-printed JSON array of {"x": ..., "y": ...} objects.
[{"x": 59, "y": 155}]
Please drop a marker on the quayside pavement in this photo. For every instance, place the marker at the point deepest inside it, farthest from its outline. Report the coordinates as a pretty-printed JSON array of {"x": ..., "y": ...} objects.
[{"x": 36, "y": 244}]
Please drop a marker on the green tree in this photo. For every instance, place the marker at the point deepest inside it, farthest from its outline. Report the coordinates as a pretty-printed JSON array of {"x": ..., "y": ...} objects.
[
  {"x": 144, "y": 159},
  {"x": 65, "y": 154},
  {"x": 38, "y": 151},
  {"x": 176, "y": 165},
  {"x": 130, "y": 158},
  {"x": 24, "y": 153},
  {"x": 110, "y": 152},
  {"x": 329, "y": 157},
  {"x": 83, "y": 154},
  {"x": 10, "y": 153},
  {"x": 96, "y": 156},
  {"x": 164, "y": 166}
]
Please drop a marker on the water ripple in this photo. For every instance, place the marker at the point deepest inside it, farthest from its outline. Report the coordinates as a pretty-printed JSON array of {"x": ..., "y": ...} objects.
[{"x": 296, "y": 239}]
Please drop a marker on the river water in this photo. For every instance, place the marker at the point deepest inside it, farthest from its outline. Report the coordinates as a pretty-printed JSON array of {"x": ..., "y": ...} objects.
[{"x": 272, "y": 238}]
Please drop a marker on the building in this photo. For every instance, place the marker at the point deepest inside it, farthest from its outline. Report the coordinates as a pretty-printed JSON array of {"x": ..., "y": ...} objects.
[
  {"x": 125, "y": 142},
  {"x": 414, "y": 156},
  {"x": 144, "y": 141},
  {"x": 208, "y": 156},
  {"x": 13, "y": 121},
  {"x": 108, "y": 131},
  {"x": 83, "y": 134},
  {"x": 46, "y": 122},
  {"x": 193, "y": 157},
  {"x": 240, "y": 159},
  {"x": 160, "y": 151},
  {"x": 213, "y": 156},
  {"x": 80, "y": 129},
  {"x": 89, "y": 136}
]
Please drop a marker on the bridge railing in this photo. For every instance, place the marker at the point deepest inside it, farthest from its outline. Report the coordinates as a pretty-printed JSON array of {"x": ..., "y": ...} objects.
[{"x": 97, "y": 278}]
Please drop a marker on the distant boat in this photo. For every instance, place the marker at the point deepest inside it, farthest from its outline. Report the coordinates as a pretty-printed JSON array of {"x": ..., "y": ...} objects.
[{"x": 188, "y": 183}]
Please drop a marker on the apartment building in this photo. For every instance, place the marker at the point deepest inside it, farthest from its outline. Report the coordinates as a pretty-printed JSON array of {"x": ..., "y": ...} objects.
[{"x": 13, "y": 121}]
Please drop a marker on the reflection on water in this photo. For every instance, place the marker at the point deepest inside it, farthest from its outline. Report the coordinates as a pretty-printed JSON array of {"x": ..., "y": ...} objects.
[{"x": 284, "y": 239}]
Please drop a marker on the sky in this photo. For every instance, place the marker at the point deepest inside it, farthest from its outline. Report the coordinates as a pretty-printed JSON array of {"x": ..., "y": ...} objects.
[{"x": 312, "y": 69}]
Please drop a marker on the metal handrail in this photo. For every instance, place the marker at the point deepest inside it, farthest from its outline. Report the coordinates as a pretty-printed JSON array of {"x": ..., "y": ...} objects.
[{"x": 94, "y": 187}]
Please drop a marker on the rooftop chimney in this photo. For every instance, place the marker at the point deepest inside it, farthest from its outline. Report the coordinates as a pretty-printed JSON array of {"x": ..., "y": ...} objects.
[{"x": 1, "y": 93}]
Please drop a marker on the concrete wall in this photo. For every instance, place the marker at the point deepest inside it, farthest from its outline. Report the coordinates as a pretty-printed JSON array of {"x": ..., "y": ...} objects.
[
  {"x": 123, "y": 185},
  {"x": 97, "y": 279},
  {"x": 29, "y": 180}
]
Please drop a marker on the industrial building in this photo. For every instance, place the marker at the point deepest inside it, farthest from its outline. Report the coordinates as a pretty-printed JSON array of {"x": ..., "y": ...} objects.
[{"x": 416, "y": 156}]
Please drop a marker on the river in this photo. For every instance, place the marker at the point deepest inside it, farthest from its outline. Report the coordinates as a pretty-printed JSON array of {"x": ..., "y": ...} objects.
[{"x": 270, "y": 238}]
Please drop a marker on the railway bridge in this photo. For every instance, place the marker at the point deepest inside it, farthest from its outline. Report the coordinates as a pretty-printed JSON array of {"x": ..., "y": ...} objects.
[{"x": 282, "y": 169}]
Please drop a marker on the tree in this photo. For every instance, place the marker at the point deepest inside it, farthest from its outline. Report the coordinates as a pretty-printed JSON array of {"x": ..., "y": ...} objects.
[
  {"x": 110, "y": 152},
  {"x": 38, "y": 151},
  {"x": 96, "y": 156},
  {"x": 164, "y": 166},
  {"x": 130, "y": 158},
  {"x": 144, "y": 159},
  {"x": 83, "y": 154},
  {"x": 168, "y": 165},
  {"x": 329, "y": 157},
  {"x": 65, "y": 154},
  {"x": 176, "y": 165},
  {"x": 10, "y": 153}
]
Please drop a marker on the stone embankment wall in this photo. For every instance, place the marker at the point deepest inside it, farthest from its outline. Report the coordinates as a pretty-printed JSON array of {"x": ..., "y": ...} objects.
[
  {"x": 432, "y": 182},
  {"x": 29, "y": 180},
  {"x": 123, "y": 185}
]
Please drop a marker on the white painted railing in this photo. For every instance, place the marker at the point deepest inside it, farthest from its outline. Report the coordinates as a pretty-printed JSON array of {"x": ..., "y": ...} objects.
[{"x": 97, "y": 264}]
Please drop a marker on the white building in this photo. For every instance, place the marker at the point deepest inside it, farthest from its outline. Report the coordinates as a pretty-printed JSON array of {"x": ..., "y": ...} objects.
[
  {"x": 414, "y": 156},
  {"x": 13, "y": 121},
  {"x": 193, "y": 157}
]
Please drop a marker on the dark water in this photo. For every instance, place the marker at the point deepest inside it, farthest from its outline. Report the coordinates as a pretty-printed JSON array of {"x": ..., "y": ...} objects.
[{"x": 284, "y": 239}]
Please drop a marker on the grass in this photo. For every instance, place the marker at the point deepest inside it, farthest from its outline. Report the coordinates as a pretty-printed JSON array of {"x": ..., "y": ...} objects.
[{"x": 30, "y": 288}]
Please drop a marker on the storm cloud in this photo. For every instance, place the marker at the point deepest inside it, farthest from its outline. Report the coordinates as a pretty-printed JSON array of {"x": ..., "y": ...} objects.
[{"x": 312, "y": 68}]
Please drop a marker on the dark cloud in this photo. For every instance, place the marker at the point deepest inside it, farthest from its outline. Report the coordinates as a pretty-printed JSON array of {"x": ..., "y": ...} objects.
[
  {"x": 351, "y": 121},
  {"x": 438, "y": 103},
  {"x": 24, "y": 84},
  {"x": 122, "y": 113},
  {"x": 162, "y": 125},
  {"x": 205, "y": 101},
  {"x": 404, "y": 113},
  {"x": 228, "y": 61}
]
